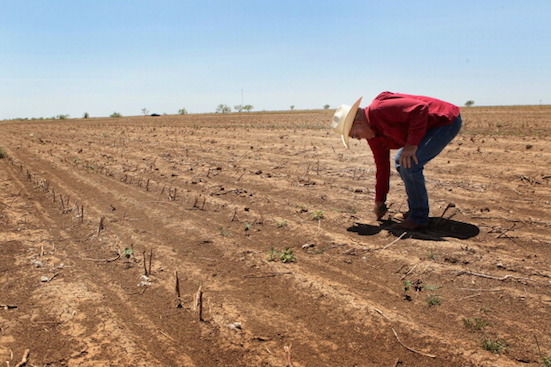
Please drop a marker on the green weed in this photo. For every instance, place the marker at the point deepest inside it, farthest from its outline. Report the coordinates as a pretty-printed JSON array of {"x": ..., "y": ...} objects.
[
  {"x": 273, "y": 254},
  {"x": 280, "y": 223},
  {"x": 287, "y": 256},
  {"x": 434, "y": 300},
  {"x": 475, "y": 324},
  {"x": 432, "y": 256},
  {"x": 224, "y": 232},
  {"x": 495, "y": 346},
  {"x": 484, "y": 309},
  {"x": 318, "y": 215},
  {"x": 127, "y": 252}
]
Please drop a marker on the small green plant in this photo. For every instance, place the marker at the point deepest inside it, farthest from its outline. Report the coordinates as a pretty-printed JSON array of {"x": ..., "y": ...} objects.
[
  {"x": 484, "y": 309},
  {"x": 287, "y": 256},
  {"x": 475, "y": 324},
  {"x": 434, "y": 300},
  {"x": 224, "y": 232},
  {"x": 280, "y": 223},
  {"x": 432, "y": 256},
  {"x": 127, "y": 252},
  {"x": 273, "y": 254},
  {"x": 248, "y": 226},
  {"x": 495, "y": 346},
  {"x": 318, "y": 215}
]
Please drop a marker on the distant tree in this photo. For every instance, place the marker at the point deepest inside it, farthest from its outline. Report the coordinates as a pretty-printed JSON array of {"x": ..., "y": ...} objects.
[
  {"x": 292, "y": 107},
  {"x": 222, "y": 108},
  {"x": 238, "y": 108},
  {"x": 145, "y": 111},
  {"x": 182, "y": 111},
  {"x": 62, "y": 117},
  {"x": 326, "y": 107},
  {"x": 248, "y": 108},
  {"x": 469, "y": 103},
  {"x": 86, "y": 115},
  {"x": 115, "y": 114}
]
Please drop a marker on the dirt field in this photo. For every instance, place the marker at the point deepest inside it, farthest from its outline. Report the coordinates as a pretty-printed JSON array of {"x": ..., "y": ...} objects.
[{"x": 88, "y": 207}]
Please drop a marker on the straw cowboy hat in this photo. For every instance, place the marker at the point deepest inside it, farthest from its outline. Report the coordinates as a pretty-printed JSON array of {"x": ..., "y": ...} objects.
[{"x": 343, "y": 119}]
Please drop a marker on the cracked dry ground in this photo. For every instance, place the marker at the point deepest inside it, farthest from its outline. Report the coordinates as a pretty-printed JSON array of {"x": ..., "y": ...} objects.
[{"x": 212, "y": 197}]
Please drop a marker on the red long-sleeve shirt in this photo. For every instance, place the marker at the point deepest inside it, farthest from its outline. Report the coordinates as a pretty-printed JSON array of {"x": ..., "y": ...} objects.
[{"x": 400, "y": 119}]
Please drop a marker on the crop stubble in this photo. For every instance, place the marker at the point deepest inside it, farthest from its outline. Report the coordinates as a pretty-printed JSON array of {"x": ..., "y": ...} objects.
[{"x": 207, "y": 194}]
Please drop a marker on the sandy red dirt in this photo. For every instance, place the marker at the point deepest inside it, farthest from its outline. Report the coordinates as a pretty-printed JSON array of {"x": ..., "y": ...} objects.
[{"x": 212, "y": 197}]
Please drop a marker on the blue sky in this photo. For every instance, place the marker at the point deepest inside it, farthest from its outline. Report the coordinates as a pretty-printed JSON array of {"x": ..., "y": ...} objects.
[{"x": 70, "y": 57}]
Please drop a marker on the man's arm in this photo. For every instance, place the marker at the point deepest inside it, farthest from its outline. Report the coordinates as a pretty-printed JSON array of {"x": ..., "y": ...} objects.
[{"x": 381, "y": 155}]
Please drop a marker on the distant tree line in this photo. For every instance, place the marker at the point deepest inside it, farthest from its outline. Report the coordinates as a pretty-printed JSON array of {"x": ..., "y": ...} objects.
[
  {"x": 221, "y": 108},
  {"x": 224, "y": 108}
]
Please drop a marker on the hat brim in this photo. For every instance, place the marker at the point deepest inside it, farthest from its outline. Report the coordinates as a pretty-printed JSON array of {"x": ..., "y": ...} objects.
[{"x": 348, "y": 121}]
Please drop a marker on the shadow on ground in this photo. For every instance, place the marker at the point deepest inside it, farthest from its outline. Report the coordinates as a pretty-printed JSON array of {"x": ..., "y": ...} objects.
[{"x": 438, "y": 230}]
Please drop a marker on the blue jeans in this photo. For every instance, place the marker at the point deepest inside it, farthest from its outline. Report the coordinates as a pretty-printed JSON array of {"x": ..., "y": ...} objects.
[{"x": 430, "y": 146}]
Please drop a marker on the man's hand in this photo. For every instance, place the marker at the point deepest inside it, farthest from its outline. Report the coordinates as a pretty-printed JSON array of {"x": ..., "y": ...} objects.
[
  {"x": 408, "y": 154},
  {"x": 380, "y": 209}
]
